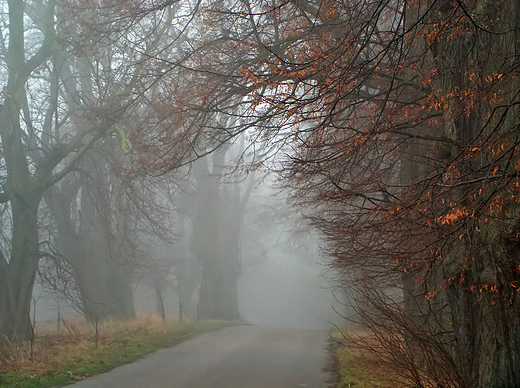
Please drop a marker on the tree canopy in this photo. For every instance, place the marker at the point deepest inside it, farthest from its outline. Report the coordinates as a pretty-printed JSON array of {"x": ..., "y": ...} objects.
[
  {"x": 400, "y": 125},
  {"x": 394, "y": 123}
]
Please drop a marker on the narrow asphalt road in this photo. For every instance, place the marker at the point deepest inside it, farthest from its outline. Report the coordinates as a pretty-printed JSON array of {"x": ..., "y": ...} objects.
[{"x": 237, "y": 357}]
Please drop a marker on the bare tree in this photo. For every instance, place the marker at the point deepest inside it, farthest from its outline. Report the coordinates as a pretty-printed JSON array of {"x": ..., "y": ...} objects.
[
  {"x": 33, "y": 158},
  {"x": 67, "y": 86},
  {"x": 401, "y": 123},
  {"x": 216, "y": 210}
]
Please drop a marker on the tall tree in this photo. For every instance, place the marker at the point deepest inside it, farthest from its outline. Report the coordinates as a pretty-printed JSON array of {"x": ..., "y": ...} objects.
[
  {"x": 88, "y": 208},
  {"x": 216, "y": 209},
  {"x": 48, "y": 123},
  {"x": 33, "y": 158},
  {"x": 404, "y": 126},
  {"x": 95, "y": 238}
]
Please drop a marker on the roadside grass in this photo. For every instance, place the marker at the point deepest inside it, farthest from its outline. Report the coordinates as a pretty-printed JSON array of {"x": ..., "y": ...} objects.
[
  {"x": 357, "y": 368},
  {"x": 56, "y": 360},
  {"x": 356, "y": 372}
]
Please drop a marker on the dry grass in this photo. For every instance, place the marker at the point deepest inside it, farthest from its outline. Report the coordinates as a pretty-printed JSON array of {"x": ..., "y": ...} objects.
[
  {"x": 56, "y": 359},
  {"x": 357, "y": 367},
  {"x": 51, "y": 346}
]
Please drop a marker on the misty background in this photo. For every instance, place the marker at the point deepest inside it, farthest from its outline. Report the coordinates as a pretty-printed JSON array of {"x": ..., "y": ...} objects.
[{"x": 284, "y": 280}]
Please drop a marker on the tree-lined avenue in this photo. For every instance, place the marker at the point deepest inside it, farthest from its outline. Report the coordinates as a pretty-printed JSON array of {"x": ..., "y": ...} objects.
[{"x": 237, "y": 357}]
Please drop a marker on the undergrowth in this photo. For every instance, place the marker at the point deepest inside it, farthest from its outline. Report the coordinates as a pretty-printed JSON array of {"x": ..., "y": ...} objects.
[{"x": 358, "y": 368}]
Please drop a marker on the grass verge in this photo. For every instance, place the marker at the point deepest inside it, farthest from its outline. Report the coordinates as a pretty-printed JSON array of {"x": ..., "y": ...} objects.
[
  {"x": 60, "y": 359},
  {"x": 356, "y": 372},
  {"x": 357, "y": 368}
]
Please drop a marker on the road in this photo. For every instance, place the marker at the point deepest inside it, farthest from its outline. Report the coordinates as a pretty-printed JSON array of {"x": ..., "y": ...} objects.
[{"x": 236, "y": 357}]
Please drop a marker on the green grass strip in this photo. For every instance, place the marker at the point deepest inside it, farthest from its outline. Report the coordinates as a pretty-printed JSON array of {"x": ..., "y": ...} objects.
[{"x": 73, "y": 361}]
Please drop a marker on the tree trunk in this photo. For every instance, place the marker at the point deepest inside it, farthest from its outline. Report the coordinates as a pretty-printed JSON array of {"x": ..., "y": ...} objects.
[
  {"x": 105, "y": 288},
  {"x": 23, "y": 186},
  {"x": 218, "y": 292},
  {"x": 105, "y": 284},
  {"x": 103, "y": 278},
  {"x": 216, "y": 221},
  {"x": 18, "y": 276}
]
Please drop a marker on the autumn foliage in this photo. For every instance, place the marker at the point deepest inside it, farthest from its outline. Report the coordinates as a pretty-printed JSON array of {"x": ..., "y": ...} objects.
[
  {"x": 401, "y": 127},
  {"x": 398, "y": 121}
]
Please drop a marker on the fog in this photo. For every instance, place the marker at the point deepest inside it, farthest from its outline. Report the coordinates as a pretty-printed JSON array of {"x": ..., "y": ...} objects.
[
  {"x": 285, "y": 291},
  {"x": 283, "y": 280}
]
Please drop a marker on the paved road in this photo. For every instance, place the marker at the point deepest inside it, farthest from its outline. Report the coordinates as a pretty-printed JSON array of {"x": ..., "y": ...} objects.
[{"x": 237, "y": 357}]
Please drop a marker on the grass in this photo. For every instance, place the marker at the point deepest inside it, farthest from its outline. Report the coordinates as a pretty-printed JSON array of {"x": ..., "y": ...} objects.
[
  {"x": 356, "y": 372},
  {"x": 60, "y": 359},
  {"x": 358, "y": 369}
]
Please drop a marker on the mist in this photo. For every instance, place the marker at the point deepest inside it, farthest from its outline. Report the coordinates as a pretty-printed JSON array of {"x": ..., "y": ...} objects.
[
  {"x": 283, "y": 280},
  {"x": 286, "y": 291}
]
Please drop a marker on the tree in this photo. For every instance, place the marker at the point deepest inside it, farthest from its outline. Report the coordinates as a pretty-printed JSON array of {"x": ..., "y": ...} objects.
[
  {"x": 95, "y": 208},
  {"x": 45, "y": 130},
  {"x": 95, "y": 238},
  {"x": 404, "y": 128},
  {"x": 31, "y": 157},
  {"x": 169, "y": 265},
  {"x": 216, "y": 209}
]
